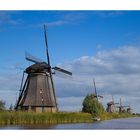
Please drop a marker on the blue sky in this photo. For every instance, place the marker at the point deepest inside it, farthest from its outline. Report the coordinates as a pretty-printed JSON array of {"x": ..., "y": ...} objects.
[
  {"x": 100, "y": 44},
  {"x": 78, "y": 33}
]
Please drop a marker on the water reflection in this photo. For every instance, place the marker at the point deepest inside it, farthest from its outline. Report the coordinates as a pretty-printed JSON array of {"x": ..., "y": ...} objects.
[{"x": 129, "y": 123}]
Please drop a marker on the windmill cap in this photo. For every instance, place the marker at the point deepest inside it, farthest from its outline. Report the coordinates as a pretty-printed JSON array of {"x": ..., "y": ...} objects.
[
  {"x": 38, "y": 67},
  {"x": 110, "y": 103}
]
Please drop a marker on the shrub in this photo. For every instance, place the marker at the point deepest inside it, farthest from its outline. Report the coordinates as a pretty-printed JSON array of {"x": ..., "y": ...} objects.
[{"x": 92, "y": 105}]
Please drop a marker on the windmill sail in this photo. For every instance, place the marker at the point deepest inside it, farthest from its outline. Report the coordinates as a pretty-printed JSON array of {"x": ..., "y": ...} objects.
[
  {"x": 48, "y": 60},
  {"x": 62, "y": 70},
  {"x": 95, "y": 90},
  {"x": 94, "y": 86},
  {"x": 46, "y": 43},
  {"x": 31, "y": 58}
]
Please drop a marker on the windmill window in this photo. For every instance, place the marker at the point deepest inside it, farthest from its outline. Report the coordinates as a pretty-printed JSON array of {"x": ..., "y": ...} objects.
[
  {"x": 41, "y": 91},
  {"x": 47, "y": 73}
]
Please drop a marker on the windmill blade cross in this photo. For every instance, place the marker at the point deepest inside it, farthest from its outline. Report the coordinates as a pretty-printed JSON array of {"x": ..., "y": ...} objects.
[{"x": 62, "y": 70}]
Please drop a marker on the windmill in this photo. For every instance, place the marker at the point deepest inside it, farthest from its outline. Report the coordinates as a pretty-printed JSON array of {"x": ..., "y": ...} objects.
[
  {"x": 37, "y": 91},
  {"x": 122, "y": 107},
  {"x": 95, "y": 91},
  {"x": 111, "y": 106},
  {"x": 129, "y": 110}
]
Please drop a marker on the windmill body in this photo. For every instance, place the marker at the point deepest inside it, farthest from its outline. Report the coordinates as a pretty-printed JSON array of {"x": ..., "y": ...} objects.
[
  {"x": 38, "y": 93},
  {"x": 129, "y": 110},
  {"x": 111, "y": 106}
]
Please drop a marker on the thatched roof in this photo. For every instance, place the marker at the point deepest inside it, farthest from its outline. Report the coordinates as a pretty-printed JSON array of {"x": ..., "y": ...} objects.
[{"x": 38, "y": 67}]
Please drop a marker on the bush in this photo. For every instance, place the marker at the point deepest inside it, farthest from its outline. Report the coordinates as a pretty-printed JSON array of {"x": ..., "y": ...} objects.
[
  {"x": 92, "y": 105},
  {"x": 2, "y": 105}
]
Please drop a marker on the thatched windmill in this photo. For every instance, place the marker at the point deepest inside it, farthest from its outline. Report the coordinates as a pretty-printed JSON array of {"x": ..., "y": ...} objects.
[
  {"x": 122, "y": 107},
  {"x": 129, "y": 110},
  {"x": 37, "y": 93},
  {"x": 111, "y": 106}
]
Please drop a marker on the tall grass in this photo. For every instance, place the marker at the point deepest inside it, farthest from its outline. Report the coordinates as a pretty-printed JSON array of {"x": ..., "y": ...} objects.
[
  {"x": 108, "y": 116},
  {"x": 7, "y": 118}
]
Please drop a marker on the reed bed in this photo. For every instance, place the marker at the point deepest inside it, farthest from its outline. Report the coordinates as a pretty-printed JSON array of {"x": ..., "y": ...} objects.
[
  {"x": 16, "y": 118},
  {"x": 9, "y": 118},
  {"x": 109, "y": 116}
]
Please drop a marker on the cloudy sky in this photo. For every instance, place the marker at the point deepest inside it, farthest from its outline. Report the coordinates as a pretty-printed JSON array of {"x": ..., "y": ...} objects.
[{"x": 104, "y": 45}]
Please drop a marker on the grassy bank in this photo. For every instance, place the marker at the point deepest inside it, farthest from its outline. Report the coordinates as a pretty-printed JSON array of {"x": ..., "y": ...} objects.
[
  {"x": 15, "y": 118},
  {"x": 43, "y": 118},
  {"x": 109, "y": 116}
]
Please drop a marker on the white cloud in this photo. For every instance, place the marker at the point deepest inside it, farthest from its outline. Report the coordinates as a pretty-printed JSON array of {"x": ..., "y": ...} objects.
[
  {"x": 74, "y": 17},
  {"x": 106, "y": 14},
  {"x": 117, "y": 72},
  {"x": 6, "y": 17},
  {"x": 70, "y": 103},
  {"x": 59, "y": 18},
  {"x": 66, "y": 18},
  {"x": 56, "y": 23},
  {"x": 9, "y": 88}
]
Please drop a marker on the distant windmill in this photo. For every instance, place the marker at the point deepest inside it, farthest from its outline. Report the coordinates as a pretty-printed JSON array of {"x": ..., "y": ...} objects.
[
  {"x": 95, "y": 91},
  {"x": 122, "y": 107},
  {"x": 111, "y": 106},
  {"x": 37, "y": 93},
  {"x": 129, "y": 110}
]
